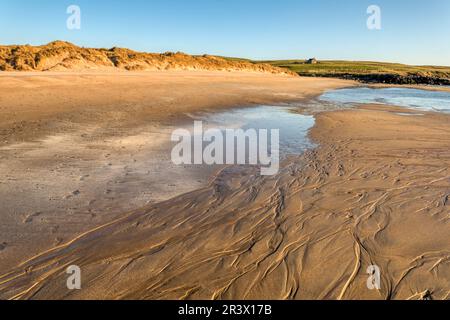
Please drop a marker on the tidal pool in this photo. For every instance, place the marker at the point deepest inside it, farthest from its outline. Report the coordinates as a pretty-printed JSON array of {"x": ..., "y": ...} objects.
[{"x": 426, "y": 100}]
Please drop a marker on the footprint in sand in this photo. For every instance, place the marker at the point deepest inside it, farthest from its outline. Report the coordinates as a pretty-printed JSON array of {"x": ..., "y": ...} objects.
[
  {"x": 74, "y": 193},
  {"x": 82, "y": 178},
  {"x": 3, "y": 246},
  {"x": 29, "y": 218}
]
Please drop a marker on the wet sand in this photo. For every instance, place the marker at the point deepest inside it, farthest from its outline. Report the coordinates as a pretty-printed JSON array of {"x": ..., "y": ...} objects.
[
  {"x": 417, "y": 86},
  {"x": 78, "y": 150},
  {"x": 375, "y": 192}
]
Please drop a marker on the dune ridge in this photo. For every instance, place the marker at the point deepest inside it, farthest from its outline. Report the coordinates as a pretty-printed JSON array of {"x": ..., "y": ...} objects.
[{"x": 65, "y": 56}]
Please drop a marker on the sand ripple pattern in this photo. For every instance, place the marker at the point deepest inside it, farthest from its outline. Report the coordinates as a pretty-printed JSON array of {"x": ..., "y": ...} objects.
[{"x": 363, "y": 198}]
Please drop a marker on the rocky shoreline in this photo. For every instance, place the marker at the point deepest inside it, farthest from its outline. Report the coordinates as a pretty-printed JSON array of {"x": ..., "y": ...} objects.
[{"x": 410, "y": 79}]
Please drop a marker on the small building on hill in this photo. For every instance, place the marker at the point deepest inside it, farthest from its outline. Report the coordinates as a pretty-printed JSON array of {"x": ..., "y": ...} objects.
[{"x": 312, "y": 61}]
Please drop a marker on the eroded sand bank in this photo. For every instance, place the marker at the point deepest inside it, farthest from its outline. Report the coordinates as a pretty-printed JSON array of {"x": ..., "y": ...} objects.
[{"x": 375, "y": 192}]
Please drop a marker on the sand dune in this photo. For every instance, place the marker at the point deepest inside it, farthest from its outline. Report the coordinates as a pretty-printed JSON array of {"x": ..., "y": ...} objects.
[
  {"x": 374, "y": 192},
  {"x": 65, "y": 56}
]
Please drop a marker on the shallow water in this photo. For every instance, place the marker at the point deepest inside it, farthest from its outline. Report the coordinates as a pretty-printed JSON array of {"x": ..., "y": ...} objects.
[
  {"x": 426, "y": 100},
  {"x": 293, "y": 127}
]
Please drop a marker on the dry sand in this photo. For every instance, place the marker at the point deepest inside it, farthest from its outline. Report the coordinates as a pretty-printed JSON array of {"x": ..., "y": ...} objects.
[{"x": 374, "y": 192}]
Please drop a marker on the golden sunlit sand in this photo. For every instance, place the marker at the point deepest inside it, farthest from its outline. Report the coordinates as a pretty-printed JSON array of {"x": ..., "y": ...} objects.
[
  {"x": 374, "y": 192},
  {"x": 85, "y": 148}
]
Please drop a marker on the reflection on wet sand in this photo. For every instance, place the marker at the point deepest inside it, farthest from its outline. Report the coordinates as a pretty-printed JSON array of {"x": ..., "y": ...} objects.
[{"x": 375, "y": 192}]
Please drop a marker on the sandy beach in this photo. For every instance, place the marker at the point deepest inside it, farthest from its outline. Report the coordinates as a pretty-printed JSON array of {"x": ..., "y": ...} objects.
[
  {"x": 79, "y": 150},
  {"x": 81, "y": 185},
  {"x": 225, "y": 159}
]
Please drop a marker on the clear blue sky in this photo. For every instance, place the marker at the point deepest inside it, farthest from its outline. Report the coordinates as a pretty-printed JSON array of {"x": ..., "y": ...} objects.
[{"x": 413, "y": 31}]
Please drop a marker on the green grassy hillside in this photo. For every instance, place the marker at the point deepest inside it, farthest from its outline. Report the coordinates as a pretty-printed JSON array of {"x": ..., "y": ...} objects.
[{"x": 367, "y": 71}]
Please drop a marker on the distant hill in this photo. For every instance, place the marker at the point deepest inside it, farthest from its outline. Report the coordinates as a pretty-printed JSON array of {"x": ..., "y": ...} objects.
[
  {"x": 371, "y": 72},
  {"x": 363, "y": 71},
  {"x": 64, "y": 56}
]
